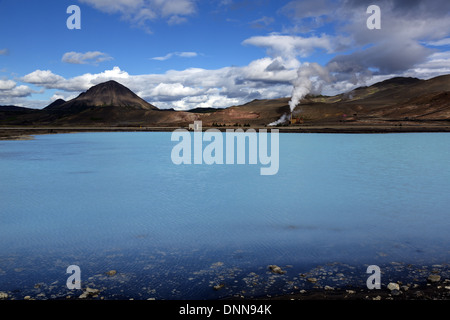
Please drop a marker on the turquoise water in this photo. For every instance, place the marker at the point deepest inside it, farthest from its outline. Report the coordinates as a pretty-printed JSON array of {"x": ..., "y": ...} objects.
[{"x": 115, "y": 201}]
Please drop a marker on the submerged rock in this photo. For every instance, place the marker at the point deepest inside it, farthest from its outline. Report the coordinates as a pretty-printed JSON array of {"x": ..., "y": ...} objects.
[
  {"x": 395, "y": 292},
  {"x": 276, "y": 269},
  {"x": 89, "y": 292},
  {"x": 219, "y": 286},
  {"x": 434, "y": 278},
  {"x": 393, "y": 286}
]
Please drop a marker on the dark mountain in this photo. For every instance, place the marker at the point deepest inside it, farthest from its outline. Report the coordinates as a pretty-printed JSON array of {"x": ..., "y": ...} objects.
[
  {"x": 15, "y": 109},
  {"x": 203, "y": 110},
  {"x": 106, "y": 94},
  {"x": 397, "y": 81},
  {"x": 55, "y": 104}
]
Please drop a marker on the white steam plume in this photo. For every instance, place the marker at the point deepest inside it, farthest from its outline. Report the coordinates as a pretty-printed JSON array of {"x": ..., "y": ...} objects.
[
  {"x": 283, "y": 118},
  {"x": 310, "y": 79}
]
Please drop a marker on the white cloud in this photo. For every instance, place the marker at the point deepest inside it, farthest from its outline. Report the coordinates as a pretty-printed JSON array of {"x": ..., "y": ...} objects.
[
  {"x": 63, "y": 95},
  {"x": 9, "y": 92},
  {"x": 171, "y": 90},
  {"x": 90, "y": 57},
  {"x": 42, "y": 77},
  {"x": 290, "y": 47},
  {"x": 19, "y": 91},
  {"x": 7, "y": 84},
  {"x": 163, "y": 58},
  {"x": 173, "y": 20},
  {"x": 179, "y": 54},
  {"x": 436, "y": 64},
  {"x": 270, "y": 70},
  {"x": 187, "y": 54},
  {"x": 49, "y": 80},
  {"x": 140, "y": 12},
  {"x": 4, "y": 52},
  {"x": 438, "y": 43},
  {"x": 263, "y": 22}
]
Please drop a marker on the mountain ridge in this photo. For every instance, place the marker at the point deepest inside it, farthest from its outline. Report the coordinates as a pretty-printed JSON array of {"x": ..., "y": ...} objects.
[{"x": 112, "y": 104}]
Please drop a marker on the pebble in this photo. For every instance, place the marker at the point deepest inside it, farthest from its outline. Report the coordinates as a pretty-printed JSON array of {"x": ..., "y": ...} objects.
[
  {"x": 276, "y": 269},
  {"x": 219, "y": 286},
  {"x": 89, "y": 292},
  {"x": 393, "y": 286},
  {"x": 111, "y": 272},
  {"x": 434, "y": 278},
  {"x": 395, "y": 292},
  {"x": 313, "y": 280},
  {"x": 3, "y": 295}
]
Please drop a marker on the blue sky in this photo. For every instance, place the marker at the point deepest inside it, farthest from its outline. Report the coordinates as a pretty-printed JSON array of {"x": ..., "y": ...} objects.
[{"x": 193, "y": 53}]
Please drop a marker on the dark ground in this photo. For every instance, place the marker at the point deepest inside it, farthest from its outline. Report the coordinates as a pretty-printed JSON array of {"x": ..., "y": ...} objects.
[{"x": 25, "y": 133}]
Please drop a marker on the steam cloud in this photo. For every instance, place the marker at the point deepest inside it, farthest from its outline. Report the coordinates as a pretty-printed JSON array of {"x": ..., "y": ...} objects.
[
  {"x": 310, "y": 79},
  {"x": 284, "y": 118}
]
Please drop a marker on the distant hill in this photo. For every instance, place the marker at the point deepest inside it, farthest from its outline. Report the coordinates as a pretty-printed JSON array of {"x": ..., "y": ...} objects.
[
  {"x": 203, "y": 110},
  {"x": 15, "y": 109},
  {"x": 106, "y": 94},
  {"x": 55, "y": 104}
]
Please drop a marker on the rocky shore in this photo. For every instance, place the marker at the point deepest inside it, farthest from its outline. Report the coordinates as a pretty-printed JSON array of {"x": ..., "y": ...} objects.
[
  {"x": 401, "y": 282},
  {"x": 333, "y": 281},
  {"x": 26, "y": 133}
]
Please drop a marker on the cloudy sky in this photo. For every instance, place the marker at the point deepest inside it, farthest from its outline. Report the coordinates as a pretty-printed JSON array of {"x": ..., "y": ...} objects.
[{"x": 184, "y": 54}]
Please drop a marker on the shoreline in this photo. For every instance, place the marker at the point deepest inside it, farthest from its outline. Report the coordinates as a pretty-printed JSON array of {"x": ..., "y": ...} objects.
[
  {"x": 399, "y": 281},
  {"x": 27, "y": 133},
  {"x": 331, "y": 281}
]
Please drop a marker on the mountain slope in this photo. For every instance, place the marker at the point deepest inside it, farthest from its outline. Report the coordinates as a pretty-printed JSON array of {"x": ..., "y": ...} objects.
[
  {"x": 15, "y": 109},
  {"x": 394, "y": 99},
  {"x": 56, "y": 104},
  {"x": 106, "y": 94}
]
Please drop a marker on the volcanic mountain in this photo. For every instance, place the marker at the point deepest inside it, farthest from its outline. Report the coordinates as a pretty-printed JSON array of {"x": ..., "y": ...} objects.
[{"x": 106, "y": 94}]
